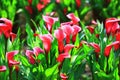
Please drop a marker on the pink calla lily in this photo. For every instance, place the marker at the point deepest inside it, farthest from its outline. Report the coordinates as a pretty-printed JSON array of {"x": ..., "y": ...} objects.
[
  {"x": 10, "y": 57},
  {"x": 47, "y": 40},
  {"x": 2, "y": 68},
  {"x": 74, "y": 19},
  {"x": 60, "y": 35}
]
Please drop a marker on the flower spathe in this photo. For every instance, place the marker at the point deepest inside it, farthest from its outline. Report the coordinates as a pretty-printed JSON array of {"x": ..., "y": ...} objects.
[
  {"x": 62, "y": 56},
  {"x": 74, "y": 19},
  {"x": 37, "y": 50},
  {"x": 5, "y": 27},
  {"x": 10, "y": 58},
  {"x": 96, "y": 48},
  {"x": 30, "y": 55},
  {"x": 49, "y": 22},
  {"x": 60, "y": 35},
  {"x": 91, "y": 29},
  {"x": 63, "y": 76},
  {"x": 2, "y": 68},
  {"x": 78, "y": 3},
  {"x": 75, "y": 32},
  {"x": 108, "y": 48},
  {"x": 68, "y": 31},
  {"x": 68, "y": 47},
  {"x": 111, "y": 25},
  {"x": 47, "y": 40}
]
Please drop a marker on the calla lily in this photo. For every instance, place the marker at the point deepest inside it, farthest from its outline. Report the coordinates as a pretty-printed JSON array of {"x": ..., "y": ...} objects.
[
  {"x": 45, "y": 2},
  {"x": 13, "y": 36},
  {"x": 68, "y": 47},
  {"x": 30, "y": 55},
  {"x": 96, "y": 48},
  {"x": 47, "y": 40},
  {"x": 116, "y": 45},
  {"x": 78, "y": 3},
  {"x": 107, "y": 50},
  {"x": 49, "y": 22},
  {"x": 5, "y": 27},
  {"x": 63, "y": 76},
  {"x": 30, "y": 2},
  {"x": 111, "y": 25},
  {"x": 68, "y": 31},
  {"x": 60, "y": 35},
  {"x": 65, "y": 23},
  {"x": 2, "y": 68},
  {"x": 37, "y": 50},
  {"x": 94, "y": 22},
  {"x": 29, "y": 9},
  {"x": 75, "y": 32},
  {"x": 74, "y": 19},
  {"x": 118, "y": 36},
  {"x": 91, "y": 29},
  {"x": 62, "y": 56},
  {"x": 40, "y": 6},
  {"x": 10, "y": 57}
]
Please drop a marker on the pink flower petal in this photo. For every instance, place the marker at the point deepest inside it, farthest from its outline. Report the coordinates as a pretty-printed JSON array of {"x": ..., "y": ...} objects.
[
  {"x": 74, "y": 19},
  {"x": 62, "y": 56},
  {"x": 37, "y": 50},
  {"x": 11, "y": 54},
  {"x": 68, "y": 47},
  {"x": 63, "y": 76},
  {"x": 30, "y": 55},
  {"x": 47, "y": 40},
  {"x": 2, "y": 68}
]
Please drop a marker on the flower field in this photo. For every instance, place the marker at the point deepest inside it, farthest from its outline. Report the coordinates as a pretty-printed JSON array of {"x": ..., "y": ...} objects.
[{"x": 59, "y": 40}]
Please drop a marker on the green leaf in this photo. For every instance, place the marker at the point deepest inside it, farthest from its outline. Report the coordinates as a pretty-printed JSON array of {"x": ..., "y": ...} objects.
[{"x": 50, "y": 73}]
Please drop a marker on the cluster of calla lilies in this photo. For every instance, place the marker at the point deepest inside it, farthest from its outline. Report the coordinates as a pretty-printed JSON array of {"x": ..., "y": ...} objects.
[{"x": 66, "y": 37}]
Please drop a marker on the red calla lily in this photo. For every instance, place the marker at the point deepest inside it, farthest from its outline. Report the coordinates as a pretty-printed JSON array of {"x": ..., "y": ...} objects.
[
  {"x": 37, "y": 50},
  {"x": 65, "y": 23},
  {"x": 30, "y": 55},
  {"x": 97, "y": 35},
  {"x": 60, "y": 35},
  {"x": 78, "y": 3},
  {"x": 30, "y": 2},
  {"x": 91, "y": 29},
  {"x": 29, "y": 9},
  {"x": 74, "y": 19},
  {"x": 13, "y": 36},
  {"x": 116, "y": 45},
  {"x": 118, "y": 36},
  {"x": 45, "y": 2},
  {"x": 111, "y": 25},
  {"x": 10, "y": 57},
  {"x": 47, "y": 40},
  {"x": 49, "y": 22},
  {"x": 107, "y": 50},
  {"x": 96, "y": 48},
  {"x": 63, "y": 76},
  {"x": 57, "y": 1},
  {"x": 40, "y": 6},
  {"x": 75, "y": 32},
  {"x": 2, "y": 68},
  {"x": 62, "y": 56},
  {"x": 94, "y": 22},
  {"x": 68, "y": 31},
  {"x": 68, "y": 47},
  {"x": 5, "y": 27}
]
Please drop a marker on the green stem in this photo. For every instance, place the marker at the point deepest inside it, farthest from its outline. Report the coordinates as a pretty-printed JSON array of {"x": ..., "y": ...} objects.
[{"x": 10, "y": 73}]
